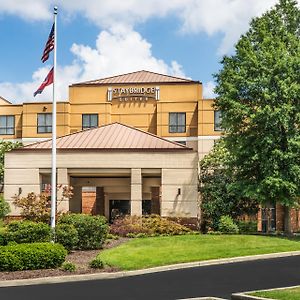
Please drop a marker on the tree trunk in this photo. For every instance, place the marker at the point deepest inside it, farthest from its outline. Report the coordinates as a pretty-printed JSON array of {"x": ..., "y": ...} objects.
[{"x": 287, "y": 220}]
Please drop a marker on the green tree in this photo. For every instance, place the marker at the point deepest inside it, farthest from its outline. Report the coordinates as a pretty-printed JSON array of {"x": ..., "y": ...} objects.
[
  {"x": 259, "y": 95},
  {"x": 218, "y": 199},
  {"x": 6, "y": 146}
]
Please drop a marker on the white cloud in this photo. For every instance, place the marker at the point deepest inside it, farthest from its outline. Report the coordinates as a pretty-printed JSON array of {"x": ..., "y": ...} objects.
[
  {"x": 119, "y": 50},
  {"x": 228, "y": 17},
  {"x": 30, "y": 9},
  {"x": 208, "y": 90}
]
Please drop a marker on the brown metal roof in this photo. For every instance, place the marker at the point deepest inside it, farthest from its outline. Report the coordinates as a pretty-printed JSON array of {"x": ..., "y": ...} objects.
[
  {"x": 137, "y": 77},
  {"x": 114, "y": 136},
  {"x": 4, "y": 100}
]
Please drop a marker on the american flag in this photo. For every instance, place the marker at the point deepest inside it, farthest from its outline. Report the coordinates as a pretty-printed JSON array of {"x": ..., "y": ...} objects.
[
  {"x": 49, "y": 45},
  {"x": 47, "y": 81}
]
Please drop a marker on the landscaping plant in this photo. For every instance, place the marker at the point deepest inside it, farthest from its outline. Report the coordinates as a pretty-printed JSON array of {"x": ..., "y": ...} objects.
[
  {"x": 31, "y": 256},
  {"x": 150, "y": 225},
  {"x": 226, "y": 225},
  {"x": 27, "y": 232},
  {"x": 96, "y": 263},
  {"x": 4, "y": 208},
  {"x": 67, "y": 235},
  {"x": 37, "y": 207},
  {"x": 92, "y": 230},
  {"x": 68, "y": 267}
]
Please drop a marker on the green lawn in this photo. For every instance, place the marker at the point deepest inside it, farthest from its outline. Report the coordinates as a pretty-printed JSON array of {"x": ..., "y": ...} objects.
[
  {"x": 157, "y": 251},
  {"x": 287, "y": 294}
]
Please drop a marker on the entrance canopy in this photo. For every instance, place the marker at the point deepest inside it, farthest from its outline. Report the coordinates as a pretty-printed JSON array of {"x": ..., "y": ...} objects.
[{"x": 112, "y": 168}]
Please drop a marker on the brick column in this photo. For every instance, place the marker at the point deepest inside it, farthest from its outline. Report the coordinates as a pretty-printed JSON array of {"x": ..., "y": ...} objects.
[
  {"x": 136, "y": 192},
  {"x": 62, "y": 179}
]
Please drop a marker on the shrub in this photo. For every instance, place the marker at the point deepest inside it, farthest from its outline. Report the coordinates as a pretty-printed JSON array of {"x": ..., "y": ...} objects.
[
  {"x": 3, "y": 239},
  {"x": 247, "y": 226},
  {"x": 112, "y": 236},
  {"x": 67, "y": 235},
  {"x": 226, "y": 225},
  {"x": 4, "y": 207},
  {"x": 97, "y": 263},
  {"x": 68, "y": 267},
  {"x": 37, "y": 207},
  {"x": 31, "y": 256},
  {"x": 28, "y": 232},
  {"x": 152, "y": 225},
  {"x": 92, "y": 230}
]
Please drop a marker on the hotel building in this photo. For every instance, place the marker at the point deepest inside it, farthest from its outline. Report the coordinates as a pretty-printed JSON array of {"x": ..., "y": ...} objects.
[{"x": 129, "y": 143}]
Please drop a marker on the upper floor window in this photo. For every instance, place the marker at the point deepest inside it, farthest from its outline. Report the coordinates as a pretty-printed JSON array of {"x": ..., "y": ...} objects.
[
  {"x": 44, "y": 123},
  {"x": 177, "y": 122},
  {"x": 7, "y": 125},
  {"x": 218, "y": 120},
  {"x": 89, "y": 121}
]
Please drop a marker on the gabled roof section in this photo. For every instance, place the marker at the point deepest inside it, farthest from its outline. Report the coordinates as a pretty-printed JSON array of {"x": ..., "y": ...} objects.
[
  {"x": 4, "y": 101},
  {"x": 137, "y": 77},
  {"x": 115, "y": 136}
]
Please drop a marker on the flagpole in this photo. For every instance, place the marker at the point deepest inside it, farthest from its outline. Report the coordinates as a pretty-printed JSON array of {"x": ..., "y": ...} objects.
[{"x": 53, "y": 158}]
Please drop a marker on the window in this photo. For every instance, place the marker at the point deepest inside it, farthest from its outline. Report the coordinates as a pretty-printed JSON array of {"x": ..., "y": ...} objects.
[
  {"x": 7, "y": 125},
  {"x": 44, "y": 123},
  {"x": 177, "y": 122},
  {"x": 89, "y": 121},
  {"x": 218, "y": 120}
]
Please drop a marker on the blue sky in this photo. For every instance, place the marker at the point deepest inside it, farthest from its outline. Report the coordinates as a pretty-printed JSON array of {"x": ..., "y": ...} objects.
[{"x": 103, "y": 38}]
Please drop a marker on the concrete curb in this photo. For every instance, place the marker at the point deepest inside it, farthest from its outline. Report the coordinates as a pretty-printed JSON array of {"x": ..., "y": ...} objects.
[
  {"x": 245, "y": 296},
  {"x": 101, "y": 276}
]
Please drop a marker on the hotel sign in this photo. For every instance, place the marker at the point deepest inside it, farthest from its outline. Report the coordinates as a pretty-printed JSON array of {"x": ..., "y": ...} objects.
[{"x": 133, "y": 93}]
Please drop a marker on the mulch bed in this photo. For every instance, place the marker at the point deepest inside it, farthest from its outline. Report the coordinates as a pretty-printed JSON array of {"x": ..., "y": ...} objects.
[{"x": 80, "y": 258}]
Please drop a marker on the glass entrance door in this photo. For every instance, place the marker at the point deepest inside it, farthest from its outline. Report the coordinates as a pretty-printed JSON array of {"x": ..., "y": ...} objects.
[{"x": 118, "y": 208}]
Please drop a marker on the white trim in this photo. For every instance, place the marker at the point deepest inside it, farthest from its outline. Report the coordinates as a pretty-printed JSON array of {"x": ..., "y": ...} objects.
[
  {"x": 192, "y": 138},
  {"x": 181, "y": 138},
  {"x": 209, "y": 137}
]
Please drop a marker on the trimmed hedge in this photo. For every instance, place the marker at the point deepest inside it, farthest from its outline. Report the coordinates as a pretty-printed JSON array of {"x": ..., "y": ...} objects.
[
  {"x": 66, "y": 235},
  {"x": 31, "y": 256},
  {"x": 92, "y": 230},
  {"x": 27, "y": 232}
]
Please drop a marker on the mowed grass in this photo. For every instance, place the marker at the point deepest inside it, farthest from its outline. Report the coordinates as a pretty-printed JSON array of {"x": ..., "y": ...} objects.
[
  {"x": 142, "y": 253},
  {"x": 286, "y": 294}
]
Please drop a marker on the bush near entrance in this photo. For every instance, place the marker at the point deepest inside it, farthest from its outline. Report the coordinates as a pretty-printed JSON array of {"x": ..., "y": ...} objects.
[
  {"x": 66, "y": 235},
  {"x": 152, "y": 225},
  {"x": 31, "y": 256},
  {"x": 92, "y": 230},
  {"x": 27, "y": 232}
]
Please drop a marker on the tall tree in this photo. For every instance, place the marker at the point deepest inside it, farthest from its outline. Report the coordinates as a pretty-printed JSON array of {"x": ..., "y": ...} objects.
[
  {"x": 218, "y": 199},
  {"x": 259, "y": 95}
]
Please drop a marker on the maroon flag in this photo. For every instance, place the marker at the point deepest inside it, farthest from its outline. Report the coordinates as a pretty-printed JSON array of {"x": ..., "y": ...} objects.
[
  {"x": 48, "y": 80},
  {"x": 49, "y": 45}
]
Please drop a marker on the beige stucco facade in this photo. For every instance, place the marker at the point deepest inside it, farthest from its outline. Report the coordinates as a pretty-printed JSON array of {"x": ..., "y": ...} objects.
[{"x": 123, "y": 176}]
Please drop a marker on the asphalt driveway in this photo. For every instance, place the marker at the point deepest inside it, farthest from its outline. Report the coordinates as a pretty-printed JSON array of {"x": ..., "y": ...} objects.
[{"x": 217, "y": 280}]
